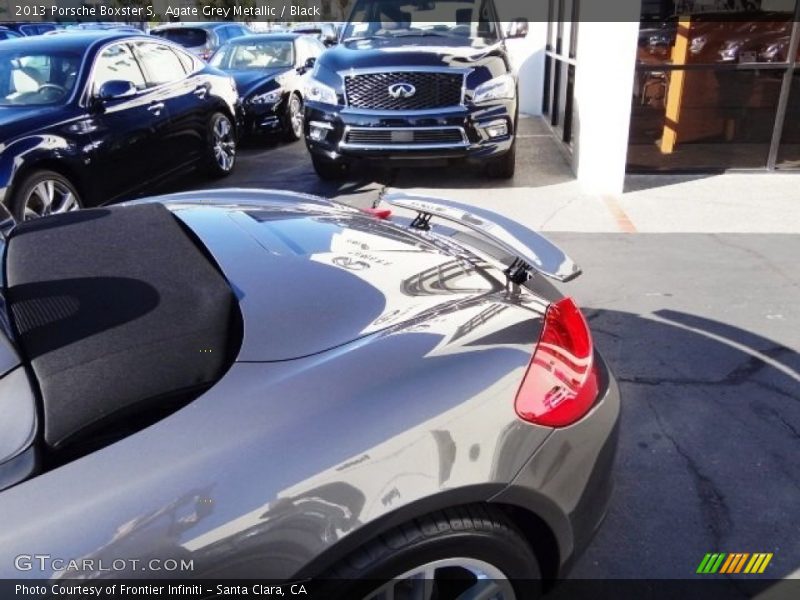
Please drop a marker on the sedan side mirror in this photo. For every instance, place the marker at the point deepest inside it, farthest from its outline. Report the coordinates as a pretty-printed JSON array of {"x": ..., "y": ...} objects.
[
  {"x": 518, "y": 28},
  {"x": 310, "y": 63},
  {"x": 116, "y": 89}
]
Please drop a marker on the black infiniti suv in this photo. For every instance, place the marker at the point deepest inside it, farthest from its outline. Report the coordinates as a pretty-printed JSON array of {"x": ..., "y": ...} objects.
[{"x": 414, "y": 79}]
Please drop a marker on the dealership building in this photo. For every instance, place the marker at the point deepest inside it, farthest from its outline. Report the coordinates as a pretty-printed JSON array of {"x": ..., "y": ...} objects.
[
  {"x": 675, "y": 87},
  {"x": 668, "y": 86}
]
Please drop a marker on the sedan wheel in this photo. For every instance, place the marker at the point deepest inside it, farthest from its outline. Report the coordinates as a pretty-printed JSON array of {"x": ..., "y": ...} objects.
[
  {"x": 465, "y": 578},
  {"x": 44, "y": 193},
  {"x": 222, "y": 145},
  {"x": 296, "y": 119}
]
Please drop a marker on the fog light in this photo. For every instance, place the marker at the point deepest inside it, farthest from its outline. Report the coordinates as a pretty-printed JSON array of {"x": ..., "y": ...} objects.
[
  {"x": 496, "y": 129},
  {"x": 318, "y": 130}
]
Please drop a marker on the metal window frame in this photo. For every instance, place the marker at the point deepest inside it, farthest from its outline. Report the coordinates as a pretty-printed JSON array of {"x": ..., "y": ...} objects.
[{"x": 790, "y": 67}]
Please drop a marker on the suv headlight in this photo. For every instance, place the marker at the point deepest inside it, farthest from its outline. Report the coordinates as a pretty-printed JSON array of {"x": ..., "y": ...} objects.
[
  {"x": 316, "y": 91},
  {"x": 267, "y": 97},
  {"x": 503, "y": 87}
]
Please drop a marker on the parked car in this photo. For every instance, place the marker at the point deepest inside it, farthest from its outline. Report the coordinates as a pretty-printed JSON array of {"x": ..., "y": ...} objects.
[
  {"x": 276, "y": 387},
  {"x": 402, "y": 86},
  {"x": 103, "y": 26},
  {"x": 327, "y": 33},
  {"x": 8, "y": 34},
  {"x": 202, "y": 39},
  {"x": 88, "y": 117},
  {"x": 29, "y": 27},
  {"x": 270, "y": 72}
]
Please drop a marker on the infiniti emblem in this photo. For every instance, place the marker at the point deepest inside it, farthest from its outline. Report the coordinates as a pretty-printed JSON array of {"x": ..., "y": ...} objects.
[{"x": 402, "y": 90}]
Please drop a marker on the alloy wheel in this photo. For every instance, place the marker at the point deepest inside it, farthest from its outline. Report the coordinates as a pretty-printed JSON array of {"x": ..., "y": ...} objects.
[
  {"x": 48, "y": 197},
  {"x": 223, "y": 143},
  {"x": 296, "y": 116},
  {"x": 450, "y": 579}
]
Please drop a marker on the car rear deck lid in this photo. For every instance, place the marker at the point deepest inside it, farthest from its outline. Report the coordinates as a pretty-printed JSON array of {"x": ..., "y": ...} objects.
[{"x": 529, "y": 247}]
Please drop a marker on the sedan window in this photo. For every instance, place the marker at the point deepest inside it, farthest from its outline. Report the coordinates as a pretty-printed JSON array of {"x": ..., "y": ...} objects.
[
  {"x": 41, "y": 78},
  {"x": 161, "y": 64},
  {"x": 117, "y": 63}
]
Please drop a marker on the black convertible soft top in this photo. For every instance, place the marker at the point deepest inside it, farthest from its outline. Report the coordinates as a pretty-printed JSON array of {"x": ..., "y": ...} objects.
[{"x": 118, "y": 312}]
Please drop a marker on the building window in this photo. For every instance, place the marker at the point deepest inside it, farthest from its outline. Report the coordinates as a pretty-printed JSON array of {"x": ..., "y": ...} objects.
[
  {"x": 716, "y": 88},
  {"x": 559, "y": 68}
]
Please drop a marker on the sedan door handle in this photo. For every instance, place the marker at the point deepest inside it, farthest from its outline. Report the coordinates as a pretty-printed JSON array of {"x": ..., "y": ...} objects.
[
  {"x": 156, "y": 108},
  {"x": 201, "y": 92}
]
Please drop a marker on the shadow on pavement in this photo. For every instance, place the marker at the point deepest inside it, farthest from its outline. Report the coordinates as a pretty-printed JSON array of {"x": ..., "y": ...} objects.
[{"x": 709, "y": 439}]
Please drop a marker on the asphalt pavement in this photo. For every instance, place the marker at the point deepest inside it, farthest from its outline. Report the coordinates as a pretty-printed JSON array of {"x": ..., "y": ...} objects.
[{"x": 693, "y": 293}]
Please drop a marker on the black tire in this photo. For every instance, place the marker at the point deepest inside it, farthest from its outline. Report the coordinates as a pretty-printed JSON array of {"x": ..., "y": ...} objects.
[
  {"x": 481, "y": 533},
  {"x": 329, "y": 170},
  {"x": 293, "y": 130},
  {"x": 504, "y": 166},
  {"x": 27, "y": 200},
  {"x": 221, "y": 146}
]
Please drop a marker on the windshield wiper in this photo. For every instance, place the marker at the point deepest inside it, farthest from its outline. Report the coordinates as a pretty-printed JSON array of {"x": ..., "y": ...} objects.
[
  {"x": 422, "y": 34},
  {"x": 356, "y": 38}
]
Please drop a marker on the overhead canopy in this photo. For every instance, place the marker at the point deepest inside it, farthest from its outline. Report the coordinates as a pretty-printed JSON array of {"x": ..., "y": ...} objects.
[{"x": 118, "y": 312}]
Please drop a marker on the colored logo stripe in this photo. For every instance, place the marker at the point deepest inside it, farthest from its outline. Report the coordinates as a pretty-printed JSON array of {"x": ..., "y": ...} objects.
[
  {"x": 734, "y": 562},
  {"x": 758, "y": 563},
  {"x": 711, "y": 563}
]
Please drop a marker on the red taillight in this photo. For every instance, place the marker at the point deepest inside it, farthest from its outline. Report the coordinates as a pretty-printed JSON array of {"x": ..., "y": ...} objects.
[
  {"x": 378, "y": 213},
  {"x": 560, "y": 385}
]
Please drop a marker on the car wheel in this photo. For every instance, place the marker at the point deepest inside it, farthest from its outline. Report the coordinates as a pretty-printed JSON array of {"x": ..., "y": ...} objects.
[
  {"x": 465, "y": 552},
  {"x": 221, "y": 145},
  {"x": 43, "y": 193},
  {"x": 504, "y": 166},
  {"x": 294, "y": 119},
  {"x": 329, "y": 170}
]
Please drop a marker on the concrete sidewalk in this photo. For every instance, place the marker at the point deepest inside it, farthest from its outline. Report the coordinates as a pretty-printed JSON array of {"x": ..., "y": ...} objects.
[{"x": 545, "y": 196}]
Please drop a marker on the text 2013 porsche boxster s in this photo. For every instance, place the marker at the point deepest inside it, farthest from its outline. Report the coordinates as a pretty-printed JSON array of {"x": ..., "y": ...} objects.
[{"x": 258, "y": 384}]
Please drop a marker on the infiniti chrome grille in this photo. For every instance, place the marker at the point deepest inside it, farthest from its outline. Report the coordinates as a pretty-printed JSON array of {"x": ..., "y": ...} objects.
[{"x": 431, "y": 90}]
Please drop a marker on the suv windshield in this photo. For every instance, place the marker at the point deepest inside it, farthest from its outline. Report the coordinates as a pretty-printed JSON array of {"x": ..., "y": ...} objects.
[
  {"x": 471, "y": 21},
  {"x": 36, "y": 78},
  {"x": 255, "y": 56}
]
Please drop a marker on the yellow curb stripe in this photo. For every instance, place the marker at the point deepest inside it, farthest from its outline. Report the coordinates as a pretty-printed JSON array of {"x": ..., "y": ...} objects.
[{"x": 623, "y": 221}]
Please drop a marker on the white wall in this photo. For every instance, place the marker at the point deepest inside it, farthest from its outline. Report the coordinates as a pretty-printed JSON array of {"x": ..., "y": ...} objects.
[{"x": 606, "y": 55}]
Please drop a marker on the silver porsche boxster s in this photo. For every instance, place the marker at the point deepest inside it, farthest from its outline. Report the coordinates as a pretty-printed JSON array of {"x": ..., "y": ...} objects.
[{"x": 258, "y": 385}]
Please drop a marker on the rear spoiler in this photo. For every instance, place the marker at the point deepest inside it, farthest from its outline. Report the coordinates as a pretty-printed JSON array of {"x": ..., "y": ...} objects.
[{"x": 531, "y": 251}]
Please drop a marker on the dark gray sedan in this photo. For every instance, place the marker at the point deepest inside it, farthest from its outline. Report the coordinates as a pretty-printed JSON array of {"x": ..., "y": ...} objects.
[{"x": 242, "y": 384}]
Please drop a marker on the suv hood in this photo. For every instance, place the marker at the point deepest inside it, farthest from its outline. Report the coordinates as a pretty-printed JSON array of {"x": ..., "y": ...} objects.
[
  {"x": 247, "y": 81},
  {"x": 388, "y": 53},
  {"x": 311, "y": 276}
]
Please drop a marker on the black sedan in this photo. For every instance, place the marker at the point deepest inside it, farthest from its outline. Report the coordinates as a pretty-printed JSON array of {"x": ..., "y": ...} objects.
[
  {"x": 8, "y": 34},
  {"x": 270, "y": 71},
  {"x": 29, "y": 28},
  {"x": 89, "y": 117}
]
